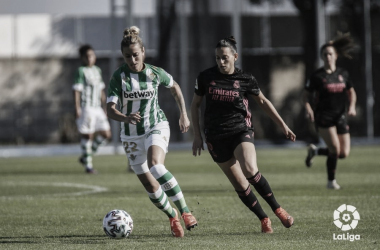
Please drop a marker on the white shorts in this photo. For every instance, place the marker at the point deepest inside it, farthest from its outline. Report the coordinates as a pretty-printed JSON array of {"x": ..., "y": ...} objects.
[
  {"x": 136, "y": 149},
  {"x": 92, "y": 120}
]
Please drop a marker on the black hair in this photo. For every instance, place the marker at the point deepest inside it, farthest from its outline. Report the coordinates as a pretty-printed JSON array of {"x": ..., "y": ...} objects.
[
  {"x": 83, "y": 49},
  {"x": 229, "y": 42},
  {"x": 343, "y": 45}
]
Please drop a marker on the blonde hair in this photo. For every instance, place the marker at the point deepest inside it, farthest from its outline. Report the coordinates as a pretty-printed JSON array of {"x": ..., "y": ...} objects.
[{"x": 131, "y": 36}]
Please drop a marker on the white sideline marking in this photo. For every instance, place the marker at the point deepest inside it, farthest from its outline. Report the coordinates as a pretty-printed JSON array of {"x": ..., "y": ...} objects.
[{"x": 92, "y": 189}]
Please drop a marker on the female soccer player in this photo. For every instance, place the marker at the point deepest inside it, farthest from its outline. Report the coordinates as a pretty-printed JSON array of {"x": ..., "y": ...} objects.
[
  {"x": 331, "y": 87},
  {"x": 145, "y": 130},
  {"x": 229, "y": 131},
  {"x": 89, "y": 97}
]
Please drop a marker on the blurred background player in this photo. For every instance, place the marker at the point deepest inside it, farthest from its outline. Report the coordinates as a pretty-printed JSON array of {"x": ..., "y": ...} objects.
[
  {"x": 89, "y": 97},
  {"x": 145, "y": 130},
  {"x": 331, "y": 88},
  {"x": 229, "y": 131}
]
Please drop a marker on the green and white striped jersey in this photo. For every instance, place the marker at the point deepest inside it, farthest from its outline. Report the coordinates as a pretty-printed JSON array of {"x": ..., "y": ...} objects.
[
  {"x": 89, "y": 81},
  {"x": 137, "y": 91}
]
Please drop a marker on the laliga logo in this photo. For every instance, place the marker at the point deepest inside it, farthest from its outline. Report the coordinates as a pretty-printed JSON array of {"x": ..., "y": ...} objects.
[
  {"x": 349, "y": 215},
  {"x": 346, "y": 217}
]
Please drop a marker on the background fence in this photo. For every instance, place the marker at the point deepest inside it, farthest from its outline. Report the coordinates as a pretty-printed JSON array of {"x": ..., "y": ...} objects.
[{"x": 277, "y": 43}]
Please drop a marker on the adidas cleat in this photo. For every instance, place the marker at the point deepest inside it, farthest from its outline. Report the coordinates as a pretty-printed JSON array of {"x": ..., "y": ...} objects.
[
  {"x": 284, "y": 217},
  {"x": 175, "y": 226},
  {"x": 266, "y": 226},
  {"x": 190, "y": 221}
]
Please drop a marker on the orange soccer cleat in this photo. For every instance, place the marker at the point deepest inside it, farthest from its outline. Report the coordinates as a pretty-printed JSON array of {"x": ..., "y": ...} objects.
[
  {"x": 175, "y": 226},
  {"x": 266, "y": 226},
  {"x": 285, "y": 218},
  {"x": 190, "y": 221}
]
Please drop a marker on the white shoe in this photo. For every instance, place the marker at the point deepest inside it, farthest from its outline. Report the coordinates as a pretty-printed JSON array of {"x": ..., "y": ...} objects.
[
  {"x": 333, "y": 185},
  {"x": 311, "y": 152}
]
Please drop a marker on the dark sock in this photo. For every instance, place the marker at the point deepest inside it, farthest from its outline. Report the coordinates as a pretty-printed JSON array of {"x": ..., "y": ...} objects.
[
  {"x": 249, "y": 199},
  {"x": 331, "y": 163},
  {"x": 323, "y": 151},
  {"x": 262, "y": 187}
]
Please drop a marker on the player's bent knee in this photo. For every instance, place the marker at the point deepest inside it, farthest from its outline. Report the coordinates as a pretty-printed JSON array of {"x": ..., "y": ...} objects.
[
  {"x": 140, "y": 168},
  {"x": 158, "y": 170}
]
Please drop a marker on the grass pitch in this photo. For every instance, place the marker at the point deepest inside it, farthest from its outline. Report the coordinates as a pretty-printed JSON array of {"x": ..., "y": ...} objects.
[{"x": 49, "y": 203}]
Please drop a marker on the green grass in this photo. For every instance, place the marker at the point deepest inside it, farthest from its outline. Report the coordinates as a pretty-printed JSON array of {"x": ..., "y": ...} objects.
[{"x": 49, "y": 203}]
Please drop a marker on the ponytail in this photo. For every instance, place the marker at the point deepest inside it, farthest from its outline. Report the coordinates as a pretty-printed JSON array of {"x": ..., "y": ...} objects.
[{"x": 343, "y": 45}]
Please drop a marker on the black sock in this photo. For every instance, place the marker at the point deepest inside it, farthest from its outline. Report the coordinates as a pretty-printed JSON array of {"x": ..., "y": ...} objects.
[
  {"x": 323, "y": 151},
  {"x": 262, "y": 187},
  {"x": 249, "y": 199},
  {"x": 331, "y": 163}
]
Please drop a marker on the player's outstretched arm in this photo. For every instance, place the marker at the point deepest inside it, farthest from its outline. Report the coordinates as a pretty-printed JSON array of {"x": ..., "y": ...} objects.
[
  {"x": 184, "y": 122},
  {"x": 270, "y": 110},
  {"x": 198, "y": 140}
]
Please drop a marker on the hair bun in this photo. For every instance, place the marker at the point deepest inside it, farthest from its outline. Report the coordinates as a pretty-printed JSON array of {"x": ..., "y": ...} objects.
[
  {"x": 231, "y": 39},
  {"x": 131, "y": 31}
]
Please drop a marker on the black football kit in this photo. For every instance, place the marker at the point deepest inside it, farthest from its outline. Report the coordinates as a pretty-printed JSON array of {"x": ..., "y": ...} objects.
[
  {"x": 227, "y": 118},
  {"x": 330, "y": 98}
]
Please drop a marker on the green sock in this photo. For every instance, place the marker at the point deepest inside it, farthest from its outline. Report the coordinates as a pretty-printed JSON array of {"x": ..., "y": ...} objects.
[
  {"x": 160, "y": 200},
  {"x": 170, "y": 186}
]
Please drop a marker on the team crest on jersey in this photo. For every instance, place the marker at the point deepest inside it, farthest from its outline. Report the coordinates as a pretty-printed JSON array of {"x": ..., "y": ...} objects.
[
  {"x": 212, "y": 83},
  {"x": 139, "y": 94},
  {"x": 236, "y": 84},
  {"x": 340, "y": 77},
  {"x": 152, "y": 76}
]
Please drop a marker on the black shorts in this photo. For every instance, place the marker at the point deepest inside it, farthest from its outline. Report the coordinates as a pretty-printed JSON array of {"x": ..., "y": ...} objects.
[
  {"x": 222, "y": 150},
  {"x": 327, "y": 121}
]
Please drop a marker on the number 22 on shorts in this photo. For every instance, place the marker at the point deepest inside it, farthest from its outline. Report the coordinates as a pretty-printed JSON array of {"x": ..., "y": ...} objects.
[{"x": 130, "y": 147}]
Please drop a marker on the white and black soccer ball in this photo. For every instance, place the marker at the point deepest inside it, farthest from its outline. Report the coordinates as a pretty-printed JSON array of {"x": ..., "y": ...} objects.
[{"x": 118, "y": 224}]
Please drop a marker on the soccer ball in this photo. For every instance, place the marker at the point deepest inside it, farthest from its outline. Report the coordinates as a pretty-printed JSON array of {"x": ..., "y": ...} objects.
[{"x": 118, "y": 224}]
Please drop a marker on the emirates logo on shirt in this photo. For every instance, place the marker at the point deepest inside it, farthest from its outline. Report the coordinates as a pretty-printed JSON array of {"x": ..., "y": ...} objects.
[
  {"x": 335, "y": 87},
  {"x": 340, "y": 77}
]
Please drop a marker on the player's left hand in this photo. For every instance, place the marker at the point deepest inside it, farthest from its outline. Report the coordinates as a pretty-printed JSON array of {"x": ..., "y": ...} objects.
[
  {"x": 289, "y": 134},
  {"x": 184, "y": 123}
]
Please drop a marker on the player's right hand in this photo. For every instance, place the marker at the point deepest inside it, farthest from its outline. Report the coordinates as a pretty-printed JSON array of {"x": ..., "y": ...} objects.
[{"x": 133, "y": 118}]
